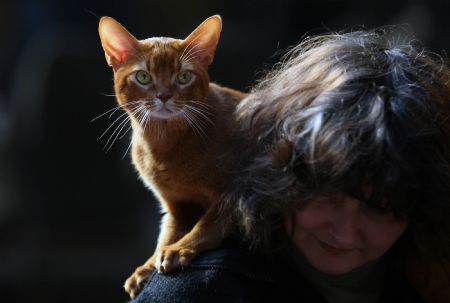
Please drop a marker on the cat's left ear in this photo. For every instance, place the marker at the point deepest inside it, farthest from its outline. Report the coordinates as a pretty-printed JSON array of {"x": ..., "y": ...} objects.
[
  {"x": 119, "y": 45},
  {"x": 202, "y": 42}
]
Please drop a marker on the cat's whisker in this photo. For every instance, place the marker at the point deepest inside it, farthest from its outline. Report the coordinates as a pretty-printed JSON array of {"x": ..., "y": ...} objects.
[
  {"x": 135, "y": 102},
  {"x": 123, "y": 122},
  {"x": 137, "y": 113},
  {"x": 109, "y": 95},
  {"x": 193, "y": 55},
  {"x": 188, "y": 49},
  {"x": 145, "y": 119},
  {"x": 182, "y": 54},
  {"x": 206, "y": 110},
  {"x": 203, "y": 107},
  {"x": 148, "y": 118},
  {"x": 117, "y": 108},
  {"x": 190, "y": 61},
  {"x": 128, "y": 149},
  {"x": 202, "y": 124},
  {"x": 126, "y": 132},
  {"x": 136, "y": 106},
  {"x": 195, "y": 128},
  {"x": 145, "y": 113},
  {"x": 192, "y": 41},
  {"x": 187, "y": 58},
  {"x": 191, "y": 58},
  {"x": 112, "y": 124},
  {"x": 142, "y": 116},
  {"x": 132, "y": 104},
  {"x": 198, "y": 122},
  {"x": 117, "y": 131},
  {"x": 128, "y": 105},
  {"x": 204, "y": 104},
  {"x": 131, "y": 141},
  {"x": 113, "y": 110},
  {"x": 188, "y": 120},
  {"x": 201, "y": 129},
  {"x": 200, "y": 113}
]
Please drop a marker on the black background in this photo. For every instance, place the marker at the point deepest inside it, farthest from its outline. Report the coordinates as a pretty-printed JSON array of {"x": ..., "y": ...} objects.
[{"x": 74, "y": 219}]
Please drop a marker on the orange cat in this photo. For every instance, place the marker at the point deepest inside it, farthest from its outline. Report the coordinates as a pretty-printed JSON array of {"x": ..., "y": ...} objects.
[{"x": 181, "y": 127}]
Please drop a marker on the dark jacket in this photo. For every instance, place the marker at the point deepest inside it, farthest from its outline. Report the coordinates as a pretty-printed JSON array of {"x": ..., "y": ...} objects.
[{"x": 234, "y": 275}]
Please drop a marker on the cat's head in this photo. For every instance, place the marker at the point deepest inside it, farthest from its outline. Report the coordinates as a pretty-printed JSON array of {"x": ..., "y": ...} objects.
[{"x": 160, "y": 78}]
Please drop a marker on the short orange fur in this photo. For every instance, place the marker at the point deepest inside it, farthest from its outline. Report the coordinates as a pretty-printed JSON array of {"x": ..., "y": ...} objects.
[{"x": 180, "y": 134}]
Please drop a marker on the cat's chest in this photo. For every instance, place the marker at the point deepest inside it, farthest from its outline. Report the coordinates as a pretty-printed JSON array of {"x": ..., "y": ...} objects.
[
  {"x": 185, "y": 181},
  {"x": 179, "y": 169}
]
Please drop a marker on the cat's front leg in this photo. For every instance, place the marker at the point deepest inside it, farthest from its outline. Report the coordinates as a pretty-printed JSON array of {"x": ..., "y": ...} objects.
[
  {"x": 207, "y": 233},
  {"x": 171, "y": 231},
  {"x": 134, "y": 284}
]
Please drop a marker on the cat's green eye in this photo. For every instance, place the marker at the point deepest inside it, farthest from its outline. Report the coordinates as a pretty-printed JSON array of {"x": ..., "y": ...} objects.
[
  {"x": 184, "y": 77},
  {"x": 143, "y": 77}
]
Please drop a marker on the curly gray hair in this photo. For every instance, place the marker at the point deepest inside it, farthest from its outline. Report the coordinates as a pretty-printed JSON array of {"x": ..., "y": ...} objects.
[{"x": 348, "y": 112}]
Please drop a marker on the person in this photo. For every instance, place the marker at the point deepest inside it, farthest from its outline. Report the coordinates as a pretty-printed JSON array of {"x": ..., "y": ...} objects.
[{"x": 344, "y": 195}]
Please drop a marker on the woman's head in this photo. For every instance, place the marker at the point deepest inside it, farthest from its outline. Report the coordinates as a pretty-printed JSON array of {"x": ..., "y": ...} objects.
[{"x": 355, "y": 114}]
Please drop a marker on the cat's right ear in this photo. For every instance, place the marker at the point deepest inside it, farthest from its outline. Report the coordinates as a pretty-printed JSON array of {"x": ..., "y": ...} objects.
[{"x": 117, "y": 42}]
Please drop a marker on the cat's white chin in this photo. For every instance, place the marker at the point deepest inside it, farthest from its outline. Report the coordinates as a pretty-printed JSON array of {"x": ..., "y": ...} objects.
[
  {"x": 164, "y": 110},
  {"x": 164, "y": 113}
]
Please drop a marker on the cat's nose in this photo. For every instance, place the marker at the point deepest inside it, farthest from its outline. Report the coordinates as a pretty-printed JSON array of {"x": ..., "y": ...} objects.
[{"x": 164, "y": 96}]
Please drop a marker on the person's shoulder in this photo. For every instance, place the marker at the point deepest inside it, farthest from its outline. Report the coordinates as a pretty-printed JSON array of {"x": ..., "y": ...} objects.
[{"x": 229, "y": 273}]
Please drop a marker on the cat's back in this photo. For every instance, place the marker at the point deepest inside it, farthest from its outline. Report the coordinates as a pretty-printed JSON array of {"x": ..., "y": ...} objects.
[
  {"x": 225, "y": 94},
  {"x": 224, "y": 100}
]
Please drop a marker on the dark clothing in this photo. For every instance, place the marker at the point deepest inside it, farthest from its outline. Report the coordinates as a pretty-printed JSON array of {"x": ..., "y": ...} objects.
[{"x": 232, "y": 274}]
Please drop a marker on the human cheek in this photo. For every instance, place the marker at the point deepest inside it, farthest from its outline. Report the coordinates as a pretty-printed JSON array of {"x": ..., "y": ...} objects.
[
  {"x": 300, "y": 228},
  {"x": 381, "y": 235}
]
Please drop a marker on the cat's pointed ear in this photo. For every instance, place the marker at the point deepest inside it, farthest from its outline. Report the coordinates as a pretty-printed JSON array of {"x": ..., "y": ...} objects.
[
  {"x": 117, "y": 42},
  {"x": 202, "y": 42}
]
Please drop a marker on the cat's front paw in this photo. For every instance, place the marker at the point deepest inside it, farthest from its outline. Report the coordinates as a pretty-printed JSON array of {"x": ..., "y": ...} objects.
[
  {"x": 134, "y": 284},
  {"x": 169, "y": 257}
]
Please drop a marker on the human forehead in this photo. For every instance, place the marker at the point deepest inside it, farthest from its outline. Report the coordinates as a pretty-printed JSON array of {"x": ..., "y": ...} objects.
[{"x": 332, "y": 206}]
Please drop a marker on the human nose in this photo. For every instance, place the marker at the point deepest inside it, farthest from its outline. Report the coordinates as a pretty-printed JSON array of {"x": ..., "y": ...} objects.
[{"x": 345, "y": 228}]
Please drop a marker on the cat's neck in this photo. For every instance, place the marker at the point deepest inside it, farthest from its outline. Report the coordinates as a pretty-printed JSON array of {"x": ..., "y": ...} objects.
[{"x": 165, "y": 139}]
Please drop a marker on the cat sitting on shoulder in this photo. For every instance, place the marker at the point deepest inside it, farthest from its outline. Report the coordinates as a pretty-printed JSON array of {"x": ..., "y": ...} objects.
[{"x": 182, "y": 126}]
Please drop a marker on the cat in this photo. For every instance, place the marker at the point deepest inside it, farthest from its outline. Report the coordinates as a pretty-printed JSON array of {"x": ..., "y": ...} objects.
[{"x": 182, "y": 125}]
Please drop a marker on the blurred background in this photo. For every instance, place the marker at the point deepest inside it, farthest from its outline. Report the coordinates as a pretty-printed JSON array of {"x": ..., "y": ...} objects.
[{"x": 74, "y": 219}]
